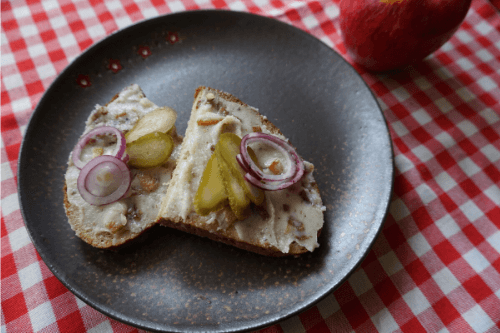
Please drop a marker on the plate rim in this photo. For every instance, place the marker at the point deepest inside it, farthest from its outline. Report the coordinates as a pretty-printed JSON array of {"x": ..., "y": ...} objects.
[{"x": 142, "y": 324}]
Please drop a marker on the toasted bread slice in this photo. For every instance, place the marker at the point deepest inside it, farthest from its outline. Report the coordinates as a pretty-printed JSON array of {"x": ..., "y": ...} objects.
[
  {"x": 287, "y": 223},
  {"x": 116, "y": 223}
]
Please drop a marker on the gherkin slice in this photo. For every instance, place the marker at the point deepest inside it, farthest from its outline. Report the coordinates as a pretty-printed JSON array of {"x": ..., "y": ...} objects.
[
  {"x": 159, "y": 120},
  {"x": 227, "y": 148},
  {"x": 211, "y": 195},
  {"x": 238, "y": 201},
  {"x": 150, "y": 150}
]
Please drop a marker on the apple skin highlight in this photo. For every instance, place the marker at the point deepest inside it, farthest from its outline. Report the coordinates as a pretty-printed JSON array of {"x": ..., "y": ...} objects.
[{"x": 383, "y": 35}]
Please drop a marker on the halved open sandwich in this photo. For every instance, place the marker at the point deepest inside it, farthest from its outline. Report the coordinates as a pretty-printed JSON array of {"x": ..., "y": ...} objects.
[
  {"x": 118, "y": 172},
  {"x": 239, "y": 181}
]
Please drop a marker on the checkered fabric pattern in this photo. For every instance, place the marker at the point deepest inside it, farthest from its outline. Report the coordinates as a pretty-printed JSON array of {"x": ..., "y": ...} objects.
[{"x": 435, "y": 266}]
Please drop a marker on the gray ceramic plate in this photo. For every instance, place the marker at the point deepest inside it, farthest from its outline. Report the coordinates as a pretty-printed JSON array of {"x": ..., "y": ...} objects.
[{"x": 170, "y": 281}]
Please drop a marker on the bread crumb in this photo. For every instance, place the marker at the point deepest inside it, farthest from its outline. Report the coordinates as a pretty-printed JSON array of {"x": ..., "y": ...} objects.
[
  {"x": 148, "y": 183},
  {"x": 304, "y": 196},
  {"x": 276, "y": 167},
  {"x": 97, "y": 151},
  {"x": 208, "y": 122},
  {"x": 100, "y": 112},
  {"x": 145, "y": 102}
]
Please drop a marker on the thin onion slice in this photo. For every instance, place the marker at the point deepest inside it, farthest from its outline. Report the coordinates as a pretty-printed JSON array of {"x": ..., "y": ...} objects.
[
  {"x": 275, "y": 142},
  {"x": 245, "y": 166},
  {"x": 104, "y": 180},
  {"x": 118, "y": 152},
  {"x": 267, "y": 182},
  {"x": 125, "y": 158}
]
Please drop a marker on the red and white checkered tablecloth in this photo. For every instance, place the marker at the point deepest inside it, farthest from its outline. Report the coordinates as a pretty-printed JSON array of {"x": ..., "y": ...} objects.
[{"x": 435, "y": 266}]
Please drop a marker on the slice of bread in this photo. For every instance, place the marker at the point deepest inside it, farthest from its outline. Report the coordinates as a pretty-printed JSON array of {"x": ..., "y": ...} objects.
[
  {"x": 114, "y": 224},
  {"x": 287, "y": 223}
]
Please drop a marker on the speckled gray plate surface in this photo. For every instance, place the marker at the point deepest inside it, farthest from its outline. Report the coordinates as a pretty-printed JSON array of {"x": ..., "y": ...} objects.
[{"x": 170, "y": 281}]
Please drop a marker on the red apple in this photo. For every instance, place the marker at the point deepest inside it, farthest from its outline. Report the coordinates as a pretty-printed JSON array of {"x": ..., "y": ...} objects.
[{"x": 390, "y": 34}]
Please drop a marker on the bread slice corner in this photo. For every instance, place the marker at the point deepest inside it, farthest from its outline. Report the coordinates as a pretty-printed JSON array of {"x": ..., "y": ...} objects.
[
  {"x": 96, "y": 224},
  {"x": 293, "y": 232}
]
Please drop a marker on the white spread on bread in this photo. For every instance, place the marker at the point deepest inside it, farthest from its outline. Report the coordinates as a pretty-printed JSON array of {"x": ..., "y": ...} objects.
[
  {"x": 291, "y": 216},
  {"x": 122, "y": 220}
]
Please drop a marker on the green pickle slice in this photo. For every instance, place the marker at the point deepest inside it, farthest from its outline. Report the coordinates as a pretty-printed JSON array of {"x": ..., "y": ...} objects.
[
  {"x": 211, "y": 195},
  {"x": 159, "y": 120},
  {"x": 150, "y": 150},
  {"x": 223, "y": 180},
  {"x": 227, "y": 148},
  {"x": 238, "y": 201}
]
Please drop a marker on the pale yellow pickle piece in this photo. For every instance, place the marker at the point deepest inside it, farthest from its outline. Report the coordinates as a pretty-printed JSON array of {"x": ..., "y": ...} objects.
[
  {"x": 150, "y": 150},
  {"x": 238, "y": 201},
  {"x": 160, "y": 120},
  {"x": 211, "y": 195},
  {"x": 227, "y": 148}
]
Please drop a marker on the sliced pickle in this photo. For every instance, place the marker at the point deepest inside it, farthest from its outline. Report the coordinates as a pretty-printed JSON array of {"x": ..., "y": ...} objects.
[
  {"x": 227, "y": 148},
  {"x": 239, "y": 202},
  {"x": 150, "y": 150},
  {"x": 159, "y": 120},
  {"x": 211, "y": 195}
]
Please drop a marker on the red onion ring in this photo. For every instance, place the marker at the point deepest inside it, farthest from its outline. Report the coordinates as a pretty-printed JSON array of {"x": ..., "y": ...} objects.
[
  {"x": 101, "y": 130},
  {"x": 245, "y": 166},
  {"x": 270, "y": 182},
  {"x": 274, "y": 141},
  {"x": 104, "y": 180},
  {"x": 125, "y": 158}
]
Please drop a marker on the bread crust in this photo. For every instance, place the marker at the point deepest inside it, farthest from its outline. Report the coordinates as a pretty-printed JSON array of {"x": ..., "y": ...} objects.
[
  {"x": 72, "y": 215},
  {"x": 194, "y": 223}
]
